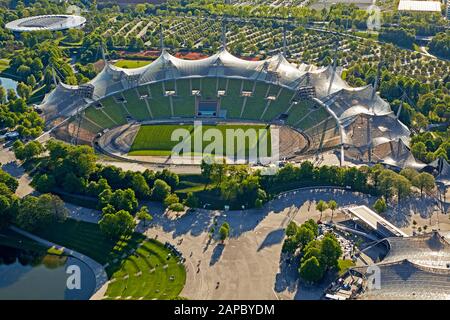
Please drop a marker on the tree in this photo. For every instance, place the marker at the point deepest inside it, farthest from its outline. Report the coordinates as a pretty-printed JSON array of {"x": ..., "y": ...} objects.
[
  {"x": 380, "y": 205},
  {"x": 139, "y": 186},
  {"x": 224, "y": 231},
  {"x": 321, "y": 206},
  {"x": 36, "y": 212},
  {"x": 333, "y": 206},
  {"x": 28, "y": 151},
  {"x": 171, "y": 199},
  {"x": 330, "y": 250},
  {"x": 311, "y": 270},
  {"x": 117, "y": 224},
  {"x": 191, "y": 200},
  {"x": 177, "y": 207},
  {"x": 144, "y": 215},
  {"x": 409, "y": 173},
  {"x": 312, "y": 225},
  {"x": 44, "y": 182},
  {"x": 2, "y": 94},
  {"x": 119, "y": 199},
  {"x": 24, "y": 91},
  {"x": 304, "y": 236},
  {"x": 5, "y": 210},
  {"x": 291, "y": 229},
  {"x": 160, "y": 190},
  {"x": 424, "y": 181}
]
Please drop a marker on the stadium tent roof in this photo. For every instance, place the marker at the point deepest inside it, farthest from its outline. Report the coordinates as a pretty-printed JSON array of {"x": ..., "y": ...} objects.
[
  {"x": 423, "y": 6},
  {"x": 404, "y": 280},
  {"x": 46, "y": 22},
  {"x": 443, "y": 169},
  {"x": 429, "y": 250},
  {"x": 61, "y": 100},
  {"x": 401, "y": 157},
  {"x": 414, "y": 268},
  {"x": 344, "y": 103}
]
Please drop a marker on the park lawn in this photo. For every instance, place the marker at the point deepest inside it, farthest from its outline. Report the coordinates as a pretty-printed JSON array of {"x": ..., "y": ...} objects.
[
  {"x": 190, "y": 183},
  {"x": 13, "y": 239},
  {"x": 87, "y": 239},
  {"x": 344, "y": 265},
  {"x": 149, "y": 273},
  {"x": 130, "y": 64},
  {"x": 156, "y": 139}
]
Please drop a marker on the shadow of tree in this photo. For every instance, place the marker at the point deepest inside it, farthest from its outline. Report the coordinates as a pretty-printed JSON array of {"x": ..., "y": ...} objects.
[
  {"x": 216, "y": 254},
  {"x": 274, "y": 237}
]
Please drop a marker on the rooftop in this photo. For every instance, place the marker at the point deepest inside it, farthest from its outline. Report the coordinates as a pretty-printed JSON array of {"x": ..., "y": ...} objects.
[
  {"x": 46, "y": 22},
  {"x": 423, "y": 6}
]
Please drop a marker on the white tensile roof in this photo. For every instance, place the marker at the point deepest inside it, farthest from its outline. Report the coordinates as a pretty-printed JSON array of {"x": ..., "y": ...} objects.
[
  {"x": 424, "y": 6},
  {"x": 344, "y": 103},
  {"x": 46, "y": 22}
]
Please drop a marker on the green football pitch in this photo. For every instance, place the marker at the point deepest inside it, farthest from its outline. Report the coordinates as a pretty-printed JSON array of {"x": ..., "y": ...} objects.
[{"x": 157, "y": 140}]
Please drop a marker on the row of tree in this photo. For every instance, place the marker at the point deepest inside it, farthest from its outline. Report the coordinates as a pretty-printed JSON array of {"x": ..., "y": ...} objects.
[{"x": 316, "y": 256}]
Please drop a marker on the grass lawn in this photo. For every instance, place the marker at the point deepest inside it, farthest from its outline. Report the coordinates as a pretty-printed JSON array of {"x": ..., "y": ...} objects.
[
  {"x": 13, "y": 239},
  {"x": 156, "y": 139},
  {"x": 190, "y": 183},
  {"x": 140, "y": 274},
  {"x": 87, "y": 239},
  {"x": 344, "y": 265},
  {"x": 130, "y": 64},
  {"x": 150, "y": 273}
]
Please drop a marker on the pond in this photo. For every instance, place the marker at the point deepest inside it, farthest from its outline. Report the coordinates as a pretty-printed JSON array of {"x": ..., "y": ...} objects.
[
  {"x": 30, "y": 275},
  {"x": 8, "y": 83}
]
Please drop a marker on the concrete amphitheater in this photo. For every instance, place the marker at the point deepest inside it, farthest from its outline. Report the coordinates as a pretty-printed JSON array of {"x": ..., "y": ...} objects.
[
  {"x": 415, "y": 267},
  {"x": 313, "y": 101}
]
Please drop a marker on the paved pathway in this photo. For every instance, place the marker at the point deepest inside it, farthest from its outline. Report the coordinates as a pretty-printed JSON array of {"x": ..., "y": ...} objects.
[{"x": 249, "y": 264}]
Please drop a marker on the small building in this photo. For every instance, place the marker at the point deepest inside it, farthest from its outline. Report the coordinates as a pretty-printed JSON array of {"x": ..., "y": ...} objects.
[{"x": 419, "y": 6}]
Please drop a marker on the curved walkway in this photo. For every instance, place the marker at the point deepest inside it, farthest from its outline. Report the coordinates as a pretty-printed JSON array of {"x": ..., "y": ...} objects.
[
  {"x": 100, "y": 275},
  {"x": 247, "y": 265}
]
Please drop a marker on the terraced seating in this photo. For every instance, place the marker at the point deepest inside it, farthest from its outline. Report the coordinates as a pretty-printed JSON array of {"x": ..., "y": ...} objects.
[
  {"x": 209, "y": 89},
  {"x": 280, "y": 105},
  {"x": 232, "y": 101},
  {"x": 169, "y": 85},
  {"x": 159, "y": 104},
  {"x": 298, "y": 112},
  {"x": 256, "y": 104},
  {"x": 90, "y": 126},
  {"x": 314, "y": 118},
  {"x": 112, "y": 114},
  {"x": 196, "y": 84},
  {"x": 221, "y": 84},
  {"x": 143, "y": 91},
  {"x": 183, "y": 101},
  {"x": 135, "y": 105},
  {"x": 247, "y": 85}
]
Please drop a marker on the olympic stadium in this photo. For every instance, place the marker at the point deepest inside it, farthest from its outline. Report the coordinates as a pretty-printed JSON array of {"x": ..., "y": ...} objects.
[
  {"x": 415, "y": 267},
  {"x": 314, "y": 108},
  {"x": 46, "y": 22}
]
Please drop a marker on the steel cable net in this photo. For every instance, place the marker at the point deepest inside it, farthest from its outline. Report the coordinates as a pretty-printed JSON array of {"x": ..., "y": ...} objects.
[
  {"x": 414, "y": 268},
  {"x": 357, "y": 117}
]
